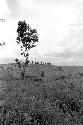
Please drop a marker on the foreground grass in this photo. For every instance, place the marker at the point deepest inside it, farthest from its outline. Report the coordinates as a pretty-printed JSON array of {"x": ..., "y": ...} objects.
[{"x": 29, "y": 102}]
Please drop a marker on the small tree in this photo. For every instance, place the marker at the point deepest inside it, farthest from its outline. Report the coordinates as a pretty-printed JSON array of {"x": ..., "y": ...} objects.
[{"x": 27, "y": 37}]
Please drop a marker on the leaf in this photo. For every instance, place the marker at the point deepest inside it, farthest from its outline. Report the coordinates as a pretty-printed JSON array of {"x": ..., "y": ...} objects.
[
  {"x": 33, "y": 46},
  {"x": 16, "y": 60},
  {"x": 22, "y": 53},
  {"x": 18, "y": 42}
]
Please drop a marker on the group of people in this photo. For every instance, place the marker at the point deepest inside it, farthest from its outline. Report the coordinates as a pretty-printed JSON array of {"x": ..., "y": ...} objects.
[{"x": 41, "y": 63}]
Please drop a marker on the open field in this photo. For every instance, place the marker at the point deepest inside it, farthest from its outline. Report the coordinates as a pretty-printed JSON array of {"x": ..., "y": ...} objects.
[{"x": 55, "y": 99}]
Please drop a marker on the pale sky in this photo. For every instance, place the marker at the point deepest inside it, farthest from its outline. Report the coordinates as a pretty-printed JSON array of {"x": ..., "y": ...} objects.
[{"x": 59, "y": 24}]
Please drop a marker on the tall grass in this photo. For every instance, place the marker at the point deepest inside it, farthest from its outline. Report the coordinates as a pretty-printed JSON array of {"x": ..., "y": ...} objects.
[{"x": 42, "y": 102}]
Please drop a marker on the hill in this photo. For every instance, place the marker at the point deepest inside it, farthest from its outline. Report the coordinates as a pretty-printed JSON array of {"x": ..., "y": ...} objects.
[{"x": 54, "y": 99}]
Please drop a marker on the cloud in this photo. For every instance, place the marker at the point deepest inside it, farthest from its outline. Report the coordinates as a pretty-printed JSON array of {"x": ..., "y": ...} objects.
[
  {"x": 13, "y": 6},
  {"x": 58, "y": 1},
  {"x": 67, "y": 57},
  {"x": 4, "y": 11},
  {"x": 34, "y": 8},
  {"x": 21, "y": 9},
  {"x": 66, "y": 54}
]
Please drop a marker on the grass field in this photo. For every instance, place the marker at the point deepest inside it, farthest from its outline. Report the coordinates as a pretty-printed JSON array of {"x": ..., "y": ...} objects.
[{"x": 55, "y": 99}]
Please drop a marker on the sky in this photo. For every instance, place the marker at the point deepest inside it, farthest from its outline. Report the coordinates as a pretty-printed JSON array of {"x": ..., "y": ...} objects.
[{"x": 59, "y": 24}]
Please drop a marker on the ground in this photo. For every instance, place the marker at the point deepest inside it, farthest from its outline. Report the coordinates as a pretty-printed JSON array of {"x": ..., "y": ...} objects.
[{"x": 54, "y": 99}]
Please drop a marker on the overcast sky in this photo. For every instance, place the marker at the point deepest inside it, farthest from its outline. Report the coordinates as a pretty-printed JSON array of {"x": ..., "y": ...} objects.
[{"x": 59, "y": 24}]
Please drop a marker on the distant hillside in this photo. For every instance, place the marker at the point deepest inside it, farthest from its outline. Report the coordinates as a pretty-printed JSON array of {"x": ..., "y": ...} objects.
[{"x": 11, "y": 70}]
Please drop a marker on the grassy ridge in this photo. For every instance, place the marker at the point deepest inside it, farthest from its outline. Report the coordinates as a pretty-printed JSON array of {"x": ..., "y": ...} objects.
[{"x": 49, "y": 101}]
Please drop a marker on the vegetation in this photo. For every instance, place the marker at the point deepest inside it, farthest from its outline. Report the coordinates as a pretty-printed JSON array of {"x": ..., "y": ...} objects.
[
  {"x": 27, "y": 38},
  {"x": 48, "y": 95},
  {"x": 48, "y": 102}
]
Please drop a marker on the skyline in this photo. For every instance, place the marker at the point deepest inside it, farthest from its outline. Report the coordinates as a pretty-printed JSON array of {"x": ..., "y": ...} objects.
[{"x": 59, "y": 24}]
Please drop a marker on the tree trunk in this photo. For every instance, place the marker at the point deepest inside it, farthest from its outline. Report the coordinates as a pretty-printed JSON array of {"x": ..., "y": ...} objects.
[{"x": 23, "y": 72}]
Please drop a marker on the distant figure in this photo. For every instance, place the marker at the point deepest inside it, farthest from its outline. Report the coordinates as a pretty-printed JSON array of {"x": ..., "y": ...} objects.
[
  {"x": 47, "y": 63},
  {"x": 32, "y": 62},
  {"x": 50, "y": 64},
  {"x": 41, "y": 62},
  {"x": 35, "y": 62},
  {"x": 42, "y": 74}
]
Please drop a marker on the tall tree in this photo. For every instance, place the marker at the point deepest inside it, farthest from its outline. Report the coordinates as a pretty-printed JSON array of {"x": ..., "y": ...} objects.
[{"x": 27, "y": 37}]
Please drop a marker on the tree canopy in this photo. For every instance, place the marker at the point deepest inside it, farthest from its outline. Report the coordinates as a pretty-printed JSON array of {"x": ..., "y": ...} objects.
[{"x": 27, "y": 37}]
